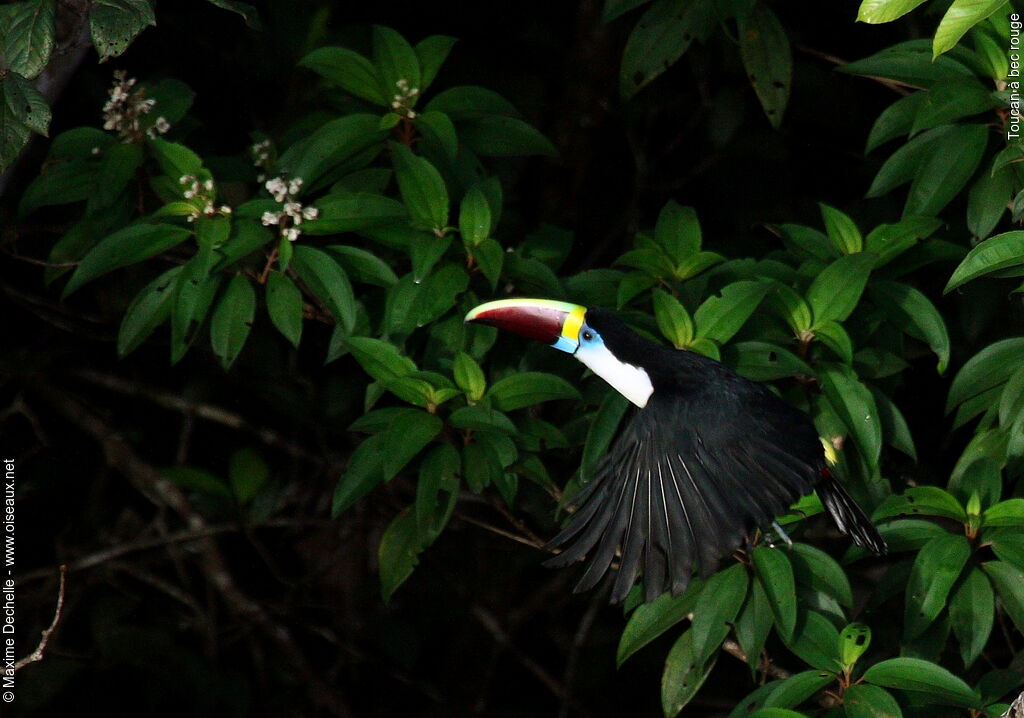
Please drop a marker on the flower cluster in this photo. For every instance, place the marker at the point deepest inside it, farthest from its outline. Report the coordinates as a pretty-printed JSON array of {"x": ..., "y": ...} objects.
[
  {"x": 124, "y": 110},
  {"x": 260, "y": 152},
  {"x": 405, "y": 98},
  {"x": 201, "y": 195},
  {"x": 292, "y": 213}
]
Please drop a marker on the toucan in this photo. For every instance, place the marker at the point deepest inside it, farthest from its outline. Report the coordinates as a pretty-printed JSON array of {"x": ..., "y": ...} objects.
[{"x": 705, "y": 460}]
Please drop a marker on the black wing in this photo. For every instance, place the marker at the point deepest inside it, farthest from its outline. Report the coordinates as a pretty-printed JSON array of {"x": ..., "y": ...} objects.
[{"x": 684, "y": 483}]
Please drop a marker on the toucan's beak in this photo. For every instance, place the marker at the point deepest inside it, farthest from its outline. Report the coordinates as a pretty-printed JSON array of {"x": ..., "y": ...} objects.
[{"x": 545, "y": 320}]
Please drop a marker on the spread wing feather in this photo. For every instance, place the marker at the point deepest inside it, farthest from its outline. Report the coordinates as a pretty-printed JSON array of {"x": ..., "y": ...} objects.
[{"x": 673, "y": 497}]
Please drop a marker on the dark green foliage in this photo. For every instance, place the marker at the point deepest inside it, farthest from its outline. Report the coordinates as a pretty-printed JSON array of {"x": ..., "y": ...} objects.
[{"x": 382, "y": 216}]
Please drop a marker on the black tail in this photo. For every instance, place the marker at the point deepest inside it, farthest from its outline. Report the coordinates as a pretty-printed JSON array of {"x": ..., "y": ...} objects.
[{"x": 848, "y": 515}]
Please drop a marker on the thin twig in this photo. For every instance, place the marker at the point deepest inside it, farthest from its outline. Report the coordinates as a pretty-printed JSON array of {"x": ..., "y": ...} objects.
[
  {"x": 582, "y": 631},
  {"x": 894, "y": 85},
  {"x": 44, "y": 638},
  {"x": 201, "y": 410},
  {"x": 492, "y": 626},
  {"x": 501, "y": 532}
]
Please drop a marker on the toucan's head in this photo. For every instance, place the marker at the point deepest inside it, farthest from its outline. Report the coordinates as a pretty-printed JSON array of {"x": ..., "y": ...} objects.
[{"x": 572, "y": 329}]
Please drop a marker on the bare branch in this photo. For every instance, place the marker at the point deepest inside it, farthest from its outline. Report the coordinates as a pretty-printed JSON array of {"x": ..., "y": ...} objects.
[{"x": 44, "y": 639}]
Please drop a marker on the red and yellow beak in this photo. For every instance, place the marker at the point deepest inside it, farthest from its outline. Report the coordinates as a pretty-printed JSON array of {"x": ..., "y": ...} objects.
[{"x": 544, "y": 320}]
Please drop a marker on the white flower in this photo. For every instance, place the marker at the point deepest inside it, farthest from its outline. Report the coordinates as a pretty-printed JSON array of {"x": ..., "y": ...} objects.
[
  {"x": 310, "y": 212},
  {"x": 270, "y": 218},
  {"x": 292, "y": 233},
  {"x": 295, "y": 185}
]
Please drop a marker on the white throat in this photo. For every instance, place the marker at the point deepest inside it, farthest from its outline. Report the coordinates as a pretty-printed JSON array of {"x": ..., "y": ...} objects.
[{"x": 629, "y": 380}]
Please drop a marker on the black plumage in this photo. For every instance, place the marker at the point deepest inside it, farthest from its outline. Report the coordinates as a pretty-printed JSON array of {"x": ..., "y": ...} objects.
[{"x": 709, "y": 459}]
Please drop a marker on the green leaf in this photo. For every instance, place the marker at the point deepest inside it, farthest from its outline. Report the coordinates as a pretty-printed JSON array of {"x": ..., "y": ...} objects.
[
  {"x": 328, "y": 283},
  {"x": 856, "y": 407},
  {"x": 678, "y": 231},
  {"x": 971, "y": 614},
  {"x": 247, "y": 11},
  {"x": 775, "y": 573},
  {"x": 807, "y": 241},
  {"x": 835, "y": 291},
  {"x": 953, "y": 160},
  {"x": 115, "y": 23},
  {"x": 196, "y": 292},
  {"x": 683, "y": 676},
  {"x": 423, "y": 190},
  {"x": 431, "y": 52},
  {"x": 397, "y": 61},
  {"x": 754, "y": 623},
  {"x": 921, "y": 501},
  {"x": 951, "y": 99},
  {"x": 438, "y": 473},
  {"x": 474, "y": 217},
  {"x": 490, "y": 257},
  {"x": 469, "y": 102},
  {"x": 919, "y": 676},
  {"x": 961, "y": 17},
  {"x": 1008, "y": 581},
  {"x": 380, "y": 359},
  {"x": 175, "y": 160},
  {"x": 814, "y": 568},
  {"x": 652, "y": 619},
  {"x": 863, "y": 700},
  {"x": 716, "y": 609},
  {"x": 989, "y": 368},
  {"x": 364, "y": 266},
  {"x": 986, "y": 202},
  {"x": 350, "y": 71},
  {"x": 719, "y": 318},
  {"x": 1005, "y": 513},
  {"x": 528, "y": 388},
  {"x": 660, "y": 37},
  {"x": 348, "y": 142},
  {"x": 127, "y": 246},
  {"x": 674, "y": 321},
  {"x": 502, "y": 136},
  {"x": 29, "y": 38},
  {"x": 914, "y": 314},
  {"x": 853, "y": 642},
  {"x": 762, "y": 361},
  {"x": 601, "y": 432},
  {"x": 937, "y": 567},
  {"x": 247, "y": 473},
  {"x": 398, "y": 553},
  {"x": 906, "y": 162},
  {"x": 816, "y": 641},
  {"x": 767, "y": 59},
  {"x": 469, "y": 376},
  {"x": 354, "y": 211},
  {"x": 408, "y": 434},
  {"x": 879, "y": 11},
  {"x": 832, "y": 335},
  {"x": 841, "y": 230},
  {"x": 791, "y": 307},
  {"x": 910, "y": 62},
  {"x": 481, "y": 418},
  {"x": 284, "y": 305},
  {"x": 994, "y": 254},
  {"x": 232, "y": 320},
  {"x": 894, "y": 426},
  {"x": 361, "y": 475},
  {"x": 889, "y": 241},
  {"x": 791, "y": 692},
  {"x": 60, "y": 183},
  {"x": 895, "y": 120},
  {"x": 150, "y": 308}
]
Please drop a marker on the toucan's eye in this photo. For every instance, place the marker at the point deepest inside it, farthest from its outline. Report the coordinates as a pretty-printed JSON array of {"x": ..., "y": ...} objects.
[{"x": 587, "y": 335}]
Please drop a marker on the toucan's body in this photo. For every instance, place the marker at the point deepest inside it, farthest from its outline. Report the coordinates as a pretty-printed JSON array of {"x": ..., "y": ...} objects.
[{"x": 705, "y": 459}]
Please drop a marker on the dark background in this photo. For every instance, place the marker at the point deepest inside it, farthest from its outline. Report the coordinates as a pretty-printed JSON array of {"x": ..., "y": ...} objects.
[{"x": 480, "y": 628}]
